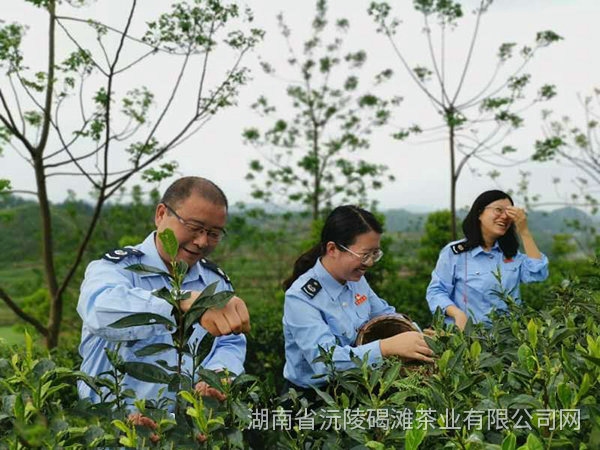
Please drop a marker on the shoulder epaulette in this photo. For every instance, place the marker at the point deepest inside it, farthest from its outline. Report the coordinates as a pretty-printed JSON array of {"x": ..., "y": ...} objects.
[
  {"x": 311, "y": 287},
  {"x": 458, "y": 248},
  {"x": 119, "y": 254},
  {"x": 214, "y": 268}
]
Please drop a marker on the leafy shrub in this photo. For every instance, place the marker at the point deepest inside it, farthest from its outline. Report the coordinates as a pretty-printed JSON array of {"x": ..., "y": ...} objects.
[{"x": 535, "y": 363}]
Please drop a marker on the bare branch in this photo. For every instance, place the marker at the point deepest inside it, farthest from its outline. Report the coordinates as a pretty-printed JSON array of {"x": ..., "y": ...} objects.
[
  {"x": 204, "y": 66},
  {"x": 130, "y": 65},
  {"x": 440, "y": 79},
  {"x": 409, "y": 70},
  {"x": 122, "y": 33},
  {"x": 47, "y": 110},
  {"x": 12, "y": 86},
  {"x": 80, "y": 47},
  {"x": 9, "y": 121},
  {"x": 470, "y": 54},
  {"x": 22, "y": 314}
]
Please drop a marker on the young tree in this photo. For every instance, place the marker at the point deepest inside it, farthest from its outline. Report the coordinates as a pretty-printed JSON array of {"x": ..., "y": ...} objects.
[
  {"x": 79, "y": 117},
  {"x": 575, "y": 146},
  {"x": 474, "y": 121},
  {"x": 308, "y": 151}
]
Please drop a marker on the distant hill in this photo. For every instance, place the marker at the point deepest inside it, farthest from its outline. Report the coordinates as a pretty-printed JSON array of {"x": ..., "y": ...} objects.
[
  {"x": 19, "y": 222},
  {"x": 547, "y": 221},
  {"x": 403, "y": 221}
]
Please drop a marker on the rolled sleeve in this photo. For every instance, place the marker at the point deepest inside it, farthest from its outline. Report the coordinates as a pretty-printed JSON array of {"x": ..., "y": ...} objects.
[
  {"x": 228, "y": 352},
  {"x": 533, "y": 270},
  {"x": 107, "y": 295},
  {"x": 442, "y": 283}
]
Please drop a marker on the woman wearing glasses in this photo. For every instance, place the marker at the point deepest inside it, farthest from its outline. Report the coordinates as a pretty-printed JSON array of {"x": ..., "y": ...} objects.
[
  {"x": 327, "y": 299},
  {"x": 463, "y": 283}
]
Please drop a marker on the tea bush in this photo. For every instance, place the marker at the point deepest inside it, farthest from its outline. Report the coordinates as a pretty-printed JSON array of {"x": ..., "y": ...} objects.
[{"x": 531, "y": 381}]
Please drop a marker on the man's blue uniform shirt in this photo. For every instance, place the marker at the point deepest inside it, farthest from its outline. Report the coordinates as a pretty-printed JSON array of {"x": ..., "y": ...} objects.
[
  {"x": 335, "y": 312},
  {"x": 466, "y": 279},
  {"x": 109, "y": 292}
]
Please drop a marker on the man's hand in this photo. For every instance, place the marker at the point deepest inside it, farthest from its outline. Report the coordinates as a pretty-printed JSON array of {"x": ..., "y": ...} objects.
[
  {"x": 409, "y": 345},
  {"x": 233, "y": 318}
]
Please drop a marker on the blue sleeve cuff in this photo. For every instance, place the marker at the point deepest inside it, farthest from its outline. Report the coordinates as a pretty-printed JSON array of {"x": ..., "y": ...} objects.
[
  {"x": 439, "y": 302},
  {"x": 536, "y": 265},
  {"x": 373, "y": 350},
  {"x": 534, "y": 269}
]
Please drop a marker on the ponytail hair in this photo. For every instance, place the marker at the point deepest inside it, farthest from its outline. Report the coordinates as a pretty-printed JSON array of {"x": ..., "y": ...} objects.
[{"x": 342, "y": 226}]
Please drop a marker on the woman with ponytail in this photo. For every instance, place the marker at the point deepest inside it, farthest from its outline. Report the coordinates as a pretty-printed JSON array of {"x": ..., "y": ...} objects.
[
  {"x": 327, "y": 299},
  {"x": 463, "y": 283}
]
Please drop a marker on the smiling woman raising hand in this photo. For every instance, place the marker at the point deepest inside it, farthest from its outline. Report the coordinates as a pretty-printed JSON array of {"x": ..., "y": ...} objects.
[{"x": 463, "y": 283}]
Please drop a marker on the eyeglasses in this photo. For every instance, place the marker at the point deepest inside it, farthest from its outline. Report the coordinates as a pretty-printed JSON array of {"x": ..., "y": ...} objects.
[
  {"x": 497, "y": 210},
  {"x": 197, "y": 230},
  {"x": 375, "y": 255}
]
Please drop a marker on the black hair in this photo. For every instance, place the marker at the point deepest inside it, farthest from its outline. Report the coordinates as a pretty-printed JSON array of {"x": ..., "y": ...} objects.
[
  {"x": 181, "y": 189},
  {"x": 342, "y": 226},
  {"x": 509, "y": 244}
]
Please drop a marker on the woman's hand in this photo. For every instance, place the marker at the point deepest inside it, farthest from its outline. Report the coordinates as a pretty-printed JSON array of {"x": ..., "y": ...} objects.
[
  {"x": 460, "y": 318},
  {"x": 519, "y": 218},
  {"x": 409, "y": 345}
]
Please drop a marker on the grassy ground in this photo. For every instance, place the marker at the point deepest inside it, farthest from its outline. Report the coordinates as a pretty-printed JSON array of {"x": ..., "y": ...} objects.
[{"x": 10, "y": 335}]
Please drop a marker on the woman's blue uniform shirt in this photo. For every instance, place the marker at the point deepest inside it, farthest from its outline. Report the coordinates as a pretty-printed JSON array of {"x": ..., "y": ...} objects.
[
  {"x": 470, "y": 272},
  {"x": 110, "y": 292},
  {"x": 316, "y": 314}
]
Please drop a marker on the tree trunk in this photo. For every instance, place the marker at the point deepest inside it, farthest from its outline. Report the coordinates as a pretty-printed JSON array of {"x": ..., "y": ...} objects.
[
  {"x": 316, "y": 199},
  {"x": 55, "y": 314},
  {"x": 452, "y": 182},
  {"x": 48, "y": 256}
]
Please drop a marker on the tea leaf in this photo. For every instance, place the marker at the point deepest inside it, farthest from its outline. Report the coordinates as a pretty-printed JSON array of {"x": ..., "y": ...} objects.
[
  {"x": 169, "y": 242},
  {"x": 146, "y": 372},
  {"x": 145, "y": 269},
  {"x": 153, "y": 349},
  {"x": 141, "y": 319}
]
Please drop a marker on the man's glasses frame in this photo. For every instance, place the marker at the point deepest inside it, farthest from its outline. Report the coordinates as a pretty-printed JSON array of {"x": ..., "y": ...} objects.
[
  {"x": 212, "y": 234},
  {"x": 375, "y": 255}
]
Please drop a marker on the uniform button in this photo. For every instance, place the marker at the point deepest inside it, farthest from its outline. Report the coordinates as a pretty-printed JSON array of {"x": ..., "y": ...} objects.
[
  {"x": 344, "y": 304},
  {"x": 491, "y": 256},
  {"x": 476, "y": 273}
]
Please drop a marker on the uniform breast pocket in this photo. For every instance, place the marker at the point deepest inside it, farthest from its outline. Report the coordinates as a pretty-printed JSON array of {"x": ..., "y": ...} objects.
[
  {"x": 338, "y": 328},
  {"x": 475, "y": 278},
  {"x": 510, "y": 274},
  {"x": 363, "y": 311}
]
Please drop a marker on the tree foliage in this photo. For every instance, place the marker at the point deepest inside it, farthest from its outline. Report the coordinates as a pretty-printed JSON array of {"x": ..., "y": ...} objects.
[
  {"x": 79, "y": 116},
  {"x": 308, "y": 152},
  {"x": 474, "y": 122},
  {"x": 576, "y": 145}
]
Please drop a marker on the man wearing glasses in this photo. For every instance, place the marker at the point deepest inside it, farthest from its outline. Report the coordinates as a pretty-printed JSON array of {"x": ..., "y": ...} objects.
[{"x": 196, "y": 210}]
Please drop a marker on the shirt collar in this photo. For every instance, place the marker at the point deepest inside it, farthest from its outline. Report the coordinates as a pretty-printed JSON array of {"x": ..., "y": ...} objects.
[
  {"x": 479, "y": 249},
  {"x": 152, "y": 258},
  {"x": 331, "y": 285}
]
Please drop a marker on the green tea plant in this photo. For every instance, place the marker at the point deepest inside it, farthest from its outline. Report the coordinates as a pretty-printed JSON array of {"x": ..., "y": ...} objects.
[{"x": 536, "y": 362}]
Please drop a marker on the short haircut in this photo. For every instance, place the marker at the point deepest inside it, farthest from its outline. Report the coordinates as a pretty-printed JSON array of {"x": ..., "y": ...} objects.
[{"x": 181, "y": 189}]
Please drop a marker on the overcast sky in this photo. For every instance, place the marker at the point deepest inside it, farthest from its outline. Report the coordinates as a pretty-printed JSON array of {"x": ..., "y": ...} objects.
[{"x": 421, "y": 169}]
